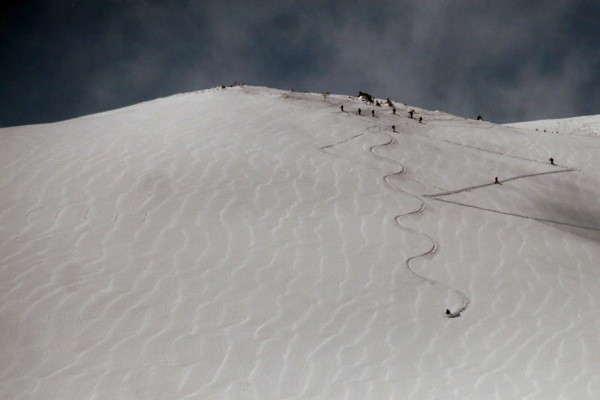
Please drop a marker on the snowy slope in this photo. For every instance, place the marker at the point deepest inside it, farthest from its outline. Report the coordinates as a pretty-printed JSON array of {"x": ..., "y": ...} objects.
[
  {"x": 251, "y": 243},
  {"x": 585, "y": 126}
]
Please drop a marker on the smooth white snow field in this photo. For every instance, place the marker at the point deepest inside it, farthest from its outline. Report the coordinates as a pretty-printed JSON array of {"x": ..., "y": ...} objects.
[
  {"x": 252, "y": 243},
  {"x": 586, "y": 126}
]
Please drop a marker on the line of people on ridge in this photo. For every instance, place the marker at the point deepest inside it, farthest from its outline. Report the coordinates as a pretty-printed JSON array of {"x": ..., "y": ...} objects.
[{"x": 410, "y": 113}]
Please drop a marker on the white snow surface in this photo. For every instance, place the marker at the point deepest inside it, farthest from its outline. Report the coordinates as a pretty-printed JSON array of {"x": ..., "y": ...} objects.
[
  {"x": 586, "y": 126},
  {"x": 252, "y": 243}
]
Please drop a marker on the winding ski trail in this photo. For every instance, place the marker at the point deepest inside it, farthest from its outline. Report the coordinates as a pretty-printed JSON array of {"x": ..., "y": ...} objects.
[{"x": 432, "y": 248}]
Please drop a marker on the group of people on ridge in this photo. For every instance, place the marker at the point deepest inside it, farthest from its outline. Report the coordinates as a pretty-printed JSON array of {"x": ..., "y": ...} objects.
[
  {"x": 370, "y": 99},
  {"x": 388, "y": 102}
]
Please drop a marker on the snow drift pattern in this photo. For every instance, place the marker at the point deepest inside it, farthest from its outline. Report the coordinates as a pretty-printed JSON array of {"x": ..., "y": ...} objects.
[{"x": 250, "y": 243}]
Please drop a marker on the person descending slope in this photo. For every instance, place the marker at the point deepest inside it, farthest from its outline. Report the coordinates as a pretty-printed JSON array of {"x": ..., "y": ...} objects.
[{"x": 342, "y": 108}]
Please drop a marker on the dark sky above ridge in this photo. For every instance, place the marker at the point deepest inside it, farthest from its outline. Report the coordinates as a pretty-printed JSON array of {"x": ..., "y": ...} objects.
[{"x": 506, "y": 60}]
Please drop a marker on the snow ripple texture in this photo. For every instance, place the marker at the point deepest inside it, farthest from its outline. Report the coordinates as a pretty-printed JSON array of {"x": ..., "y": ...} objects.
[{"x": 250, "y": 243}]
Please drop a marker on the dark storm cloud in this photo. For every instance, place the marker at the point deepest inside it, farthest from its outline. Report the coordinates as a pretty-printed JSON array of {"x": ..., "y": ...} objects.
[{"x": 506, "y": 60}]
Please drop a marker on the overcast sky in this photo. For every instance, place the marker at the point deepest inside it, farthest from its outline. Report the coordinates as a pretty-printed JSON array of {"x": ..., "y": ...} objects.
[{"x": 506, "y": 60}]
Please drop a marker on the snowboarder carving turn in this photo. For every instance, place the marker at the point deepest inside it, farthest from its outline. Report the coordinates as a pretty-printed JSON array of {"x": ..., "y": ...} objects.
[
  {"x": 551, "y": 160},
  {"x": 450, "y": 314}
]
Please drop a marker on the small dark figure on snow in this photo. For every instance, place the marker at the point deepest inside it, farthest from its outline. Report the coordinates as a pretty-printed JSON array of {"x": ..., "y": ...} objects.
[
  {"x": 359, "y": 111},
  {"x": 342, "y": 108},
  {"x": 551, "y": 160},
  {"x": 450, "y": 314},
  {"x": 394, "y": 128},
  {"x": 394, "y": 111},
  {"x": 373, "y": 112},
  {"x": 410, "y": 113},
  {"x": 420, "y": 120},
  {"x": 496, "y": 180},
  {"x": 479, "y": 118}
]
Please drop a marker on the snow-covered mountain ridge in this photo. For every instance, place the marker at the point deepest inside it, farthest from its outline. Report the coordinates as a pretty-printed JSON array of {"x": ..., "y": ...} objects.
[
  {"x": 253, "y": 243},
  {"x": 585, "y": 126}
]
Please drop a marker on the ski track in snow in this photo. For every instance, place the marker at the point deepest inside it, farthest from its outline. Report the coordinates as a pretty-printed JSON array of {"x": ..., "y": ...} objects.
[
  {"x": 547, "y": 221},
  {"x": 436, "y": 196},
  {"x": 419, "y": 209},
  {"x": 512, "y": 178},
  {"x": 456, "y": 311}
]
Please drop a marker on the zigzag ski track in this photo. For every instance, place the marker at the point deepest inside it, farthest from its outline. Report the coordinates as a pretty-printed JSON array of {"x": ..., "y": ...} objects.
[{"x": 465, "y": 301}]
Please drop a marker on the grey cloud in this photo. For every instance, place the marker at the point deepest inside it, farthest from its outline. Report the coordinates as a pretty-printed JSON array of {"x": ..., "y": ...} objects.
[{"x": 506, "y": 60}]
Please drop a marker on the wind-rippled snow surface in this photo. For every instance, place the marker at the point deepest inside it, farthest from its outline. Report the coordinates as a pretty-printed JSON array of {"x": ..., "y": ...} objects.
[{"x": 251, "y": 243}]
